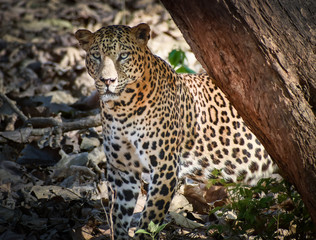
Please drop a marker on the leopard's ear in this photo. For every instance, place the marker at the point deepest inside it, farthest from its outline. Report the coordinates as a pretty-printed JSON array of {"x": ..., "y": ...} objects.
[
  {"x": 84, "y": 37},
  {"x": 142, "y": 33}
]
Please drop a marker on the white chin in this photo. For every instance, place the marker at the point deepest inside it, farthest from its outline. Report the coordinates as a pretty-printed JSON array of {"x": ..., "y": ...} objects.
[{"x": 109, "y": 97}]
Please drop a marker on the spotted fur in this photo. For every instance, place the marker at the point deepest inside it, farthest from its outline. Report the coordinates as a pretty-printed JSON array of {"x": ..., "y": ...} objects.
[{"x": 159, "y": 122}]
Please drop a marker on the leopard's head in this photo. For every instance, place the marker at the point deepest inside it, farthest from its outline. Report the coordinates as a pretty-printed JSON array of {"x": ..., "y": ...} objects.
[{"x": 115, "y": 57}]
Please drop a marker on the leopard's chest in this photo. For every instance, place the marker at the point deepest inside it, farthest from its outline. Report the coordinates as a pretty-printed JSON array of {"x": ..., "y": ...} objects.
[{"x": 134, "y": 142}]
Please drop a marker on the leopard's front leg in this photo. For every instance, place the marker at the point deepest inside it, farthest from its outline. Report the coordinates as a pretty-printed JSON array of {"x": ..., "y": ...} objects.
[
  {"x": 124, "y": 187},
  {"x": 160, "y": 193}
]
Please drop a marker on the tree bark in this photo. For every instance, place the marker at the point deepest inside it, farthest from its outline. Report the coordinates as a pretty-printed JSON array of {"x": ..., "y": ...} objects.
[{"x": 262, "y": 55}]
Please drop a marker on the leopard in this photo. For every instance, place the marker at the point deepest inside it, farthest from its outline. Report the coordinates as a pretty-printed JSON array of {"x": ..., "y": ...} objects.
[{"x": 166, "y": 124}]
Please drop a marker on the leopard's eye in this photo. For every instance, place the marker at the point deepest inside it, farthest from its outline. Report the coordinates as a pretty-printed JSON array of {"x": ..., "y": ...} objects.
[
  {"x": 123, "y": 56},
  {"x": 96, "y": 56}
]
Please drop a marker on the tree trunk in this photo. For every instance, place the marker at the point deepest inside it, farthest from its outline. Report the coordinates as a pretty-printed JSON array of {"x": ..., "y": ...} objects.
[{"x": 262, "y": 55}]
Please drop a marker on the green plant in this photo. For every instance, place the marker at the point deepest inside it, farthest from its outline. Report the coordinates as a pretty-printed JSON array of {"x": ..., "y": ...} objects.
[
  {"x": 177, "y": 59},
  {"x": 265, "y": 211},
  {"x": 153, "y": 230}
]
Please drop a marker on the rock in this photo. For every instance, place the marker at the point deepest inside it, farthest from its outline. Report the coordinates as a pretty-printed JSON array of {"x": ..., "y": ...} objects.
[{"x": 89, "y": 143}]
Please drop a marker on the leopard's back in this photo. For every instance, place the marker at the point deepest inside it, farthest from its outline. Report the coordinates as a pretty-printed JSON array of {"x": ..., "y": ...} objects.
[{"x": 216, "y": 137}]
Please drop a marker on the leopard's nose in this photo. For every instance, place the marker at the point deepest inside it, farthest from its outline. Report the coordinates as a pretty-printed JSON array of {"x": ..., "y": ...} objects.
[{"x": 107, "y": 81}]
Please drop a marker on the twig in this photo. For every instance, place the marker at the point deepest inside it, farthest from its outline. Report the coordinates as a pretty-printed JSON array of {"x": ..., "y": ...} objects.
[
  {"x": 110, "y": 221},
  {"x": 42, "y": 122},
  {"x": 82, "y": 123},
  {"x": 108, "y": 216},
  {"x": 46, "y": 125},
  {"x": 14, "y": 107},
  {"x": 66, "y": 126}
]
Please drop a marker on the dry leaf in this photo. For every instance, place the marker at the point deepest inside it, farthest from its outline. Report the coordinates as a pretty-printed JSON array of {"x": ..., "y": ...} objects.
[
  {"x": 216, "y": 195},
  {"x": 195, "y": 196},
  {"x": 184, "y": 222}
]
